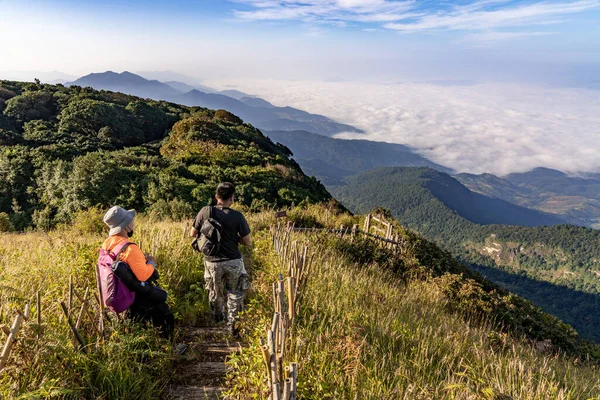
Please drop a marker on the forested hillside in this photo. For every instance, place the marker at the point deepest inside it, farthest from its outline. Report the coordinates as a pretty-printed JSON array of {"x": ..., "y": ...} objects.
[
  {"x": 67, "y": 149},
  {"x": 556, "y": 266}
]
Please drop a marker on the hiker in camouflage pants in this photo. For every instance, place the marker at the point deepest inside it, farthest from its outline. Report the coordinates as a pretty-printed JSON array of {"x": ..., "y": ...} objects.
[
  {"x": 226, "y": 278},
  {"x": 224, "y": 273}
]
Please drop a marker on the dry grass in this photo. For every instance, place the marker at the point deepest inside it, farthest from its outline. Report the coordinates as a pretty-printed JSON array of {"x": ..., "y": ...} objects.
[
  {"x": 131, "y": 362},
  {"x": 364, "y": 334}
]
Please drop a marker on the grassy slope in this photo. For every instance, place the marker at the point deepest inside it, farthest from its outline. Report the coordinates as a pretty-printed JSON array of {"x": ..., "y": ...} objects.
[
  {"x": 370, "y": 325},
  {"x": 378, "y": 328},
  {"x": 134, "y": 363}
]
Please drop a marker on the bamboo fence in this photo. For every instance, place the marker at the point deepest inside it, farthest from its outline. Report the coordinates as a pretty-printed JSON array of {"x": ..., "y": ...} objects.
[{"x": 287, "y": 292}]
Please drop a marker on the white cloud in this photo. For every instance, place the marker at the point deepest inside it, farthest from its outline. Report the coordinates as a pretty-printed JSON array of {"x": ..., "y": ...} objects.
[
  {"x": 480, "y": 128},
  {"x": 477, "y": 16},
  {"x": 413, "y": 16},
  {"x": 327, "y": 10}
]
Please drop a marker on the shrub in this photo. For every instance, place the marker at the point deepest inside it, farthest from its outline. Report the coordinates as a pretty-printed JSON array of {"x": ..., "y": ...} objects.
[
  {"x": 43, "y": 219},
  {"x": 5, "y": 223},
  {"x": 89, "y": 221},
  {"x": 30, "y": 106},
  {"x": 227, "y": 116}
]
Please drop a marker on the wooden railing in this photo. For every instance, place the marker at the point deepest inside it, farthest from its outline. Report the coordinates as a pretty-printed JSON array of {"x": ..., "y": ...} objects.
[{"x": 286, "y": 294}]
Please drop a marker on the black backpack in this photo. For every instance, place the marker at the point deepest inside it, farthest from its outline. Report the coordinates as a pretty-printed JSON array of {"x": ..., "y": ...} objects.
[{"x": 208, "y": 241}]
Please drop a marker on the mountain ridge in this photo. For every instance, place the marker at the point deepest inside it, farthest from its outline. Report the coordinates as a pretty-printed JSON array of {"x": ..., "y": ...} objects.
[{"x": 264, "y": 117}]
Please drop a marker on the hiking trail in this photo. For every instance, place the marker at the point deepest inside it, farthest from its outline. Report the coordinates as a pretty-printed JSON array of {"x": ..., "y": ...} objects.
[{"x": 200, "y": 372}]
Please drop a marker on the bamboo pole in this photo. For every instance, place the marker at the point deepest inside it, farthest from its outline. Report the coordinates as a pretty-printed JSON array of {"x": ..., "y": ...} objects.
[
  {"x": 70, "y": 293},
  {"x": 276, "y": 391},
  {"x": 276, "y": 332},
  {"x": 12, "y": 338},
  {"x": 100, "y": 303},
  {"x": 267, "y": 357},
  {"x": 72, "y": 326},
  {"x": 275, "y": 300},
  {"x": 83, "y": 307},
  {"x": 290, "y": 296},
  {"x": 374, "y": 218},
  {"x": 272, "y": 357},
  {"x": 294, "y": 378},
  {"x": 365, "y": 226},
  {"x": 287, "y": 389}
]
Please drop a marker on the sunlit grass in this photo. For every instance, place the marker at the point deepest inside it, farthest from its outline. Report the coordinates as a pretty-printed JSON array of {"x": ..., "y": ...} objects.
[
  {"x": 131, "y": 362},
  {"x": 364, "y": 333}
]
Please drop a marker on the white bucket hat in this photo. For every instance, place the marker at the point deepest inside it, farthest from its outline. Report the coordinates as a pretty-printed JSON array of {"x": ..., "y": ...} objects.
[{"x": 117, "y": 219}]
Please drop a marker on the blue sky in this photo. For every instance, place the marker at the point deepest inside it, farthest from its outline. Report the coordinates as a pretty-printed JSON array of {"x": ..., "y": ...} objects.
[{"x": 309, "y": 39}]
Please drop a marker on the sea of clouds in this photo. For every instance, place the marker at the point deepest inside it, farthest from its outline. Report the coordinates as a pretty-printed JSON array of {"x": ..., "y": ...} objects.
[{"x": 479, "y": 128}]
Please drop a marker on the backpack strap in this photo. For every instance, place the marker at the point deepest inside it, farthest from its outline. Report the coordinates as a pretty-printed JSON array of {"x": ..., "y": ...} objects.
[{"x": 116, "y": 252}]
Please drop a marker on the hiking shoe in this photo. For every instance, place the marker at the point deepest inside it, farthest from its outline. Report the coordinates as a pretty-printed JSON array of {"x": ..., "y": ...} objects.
[
  {"x": 218, "y": 317},
  {"x": 234, "y": 330},
  {"x": 180, "y": 348}
]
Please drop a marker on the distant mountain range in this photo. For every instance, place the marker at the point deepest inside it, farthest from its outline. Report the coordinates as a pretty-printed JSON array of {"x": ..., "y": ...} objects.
[
  {"x": 254, "y": 110},
  {"x": 406, "y": 190},
  {"x": 575, "y": 199}
]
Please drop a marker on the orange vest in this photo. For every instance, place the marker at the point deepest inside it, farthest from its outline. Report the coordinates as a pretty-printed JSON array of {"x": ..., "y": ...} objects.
[{"x": 133, "y": 256}]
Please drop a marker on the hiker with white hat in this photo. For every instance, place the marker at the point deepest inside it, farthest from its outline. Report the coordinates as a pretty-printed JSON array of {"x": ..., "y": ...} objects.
[{"x": 149, "y": 304}]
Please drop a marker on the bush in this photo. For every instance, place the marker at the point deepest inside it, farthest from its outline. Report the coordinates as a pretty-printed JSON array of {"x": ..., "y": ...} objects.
[
  {"x": 174, "y": 209},
  {"x": 30, "y": 106},
  {"x": 5, "y": 223},
  {"x": 89, "y": 221},
  {"x": 6, "y": 94},
  {"x": 227, "y": 116},
  {"x": 43, "y": 219}
]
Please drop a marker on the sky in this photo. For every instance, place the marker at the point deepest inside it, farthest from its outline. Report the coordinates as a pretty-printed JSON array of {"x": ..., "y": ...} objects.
[
  {"x": 549, "y": 41},
  {"x": 460, "y": 65}
]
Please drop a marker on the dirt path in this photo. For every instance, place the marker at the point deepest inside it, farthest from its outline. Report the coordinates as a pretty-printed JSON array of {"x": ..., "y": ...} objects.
[{"x": 200, "y": 372}]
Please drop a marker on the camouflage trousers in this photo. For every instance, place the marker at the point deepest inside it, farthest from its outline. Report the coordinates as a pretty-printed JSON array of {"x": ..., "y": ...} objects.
[{"x": 226, "y": 279}]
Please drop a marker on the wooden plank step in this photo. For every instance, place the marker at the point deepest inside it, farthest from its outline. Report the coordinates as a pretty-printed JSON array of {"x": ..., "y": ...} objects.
[
  {"x": 202, "y": 353},
  {"x": 196, "y": 393},
  {"x": 209, "y": 368},
  {"x": 217, "y": 348}
]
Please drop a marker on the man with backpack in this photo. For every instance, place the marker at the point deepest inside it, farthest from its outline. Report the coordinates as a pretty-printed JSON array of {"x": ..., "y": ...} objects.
[
  {"x": 137, "y": 271},
  {"x": 218, "y": 231}
]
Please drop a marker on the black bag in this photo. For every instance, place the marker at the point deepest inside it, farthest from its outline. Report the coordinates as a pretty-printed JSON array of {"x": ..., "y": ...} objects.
[
  {"x": 208, "y": 241},
  {"x": 149, "y": 291}
]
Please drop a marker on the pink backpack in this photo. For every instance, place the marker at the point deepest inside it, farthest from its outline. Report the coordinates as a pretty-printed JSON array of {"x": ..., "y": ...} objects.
[{"x": 115, "y": 295}]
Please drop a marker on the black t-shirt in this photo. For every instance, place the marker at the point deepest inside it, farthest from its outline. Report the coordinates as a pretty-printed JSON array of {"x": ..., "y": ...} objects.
[{"x": 235, "y": 227}]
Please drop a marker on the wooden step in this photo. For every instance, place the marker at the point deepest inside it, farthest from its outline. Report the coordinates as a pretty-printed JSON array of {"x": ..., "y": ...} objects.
[
  {"x": 196, "y": 393},
  {"x": 209, "y": 368}
]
